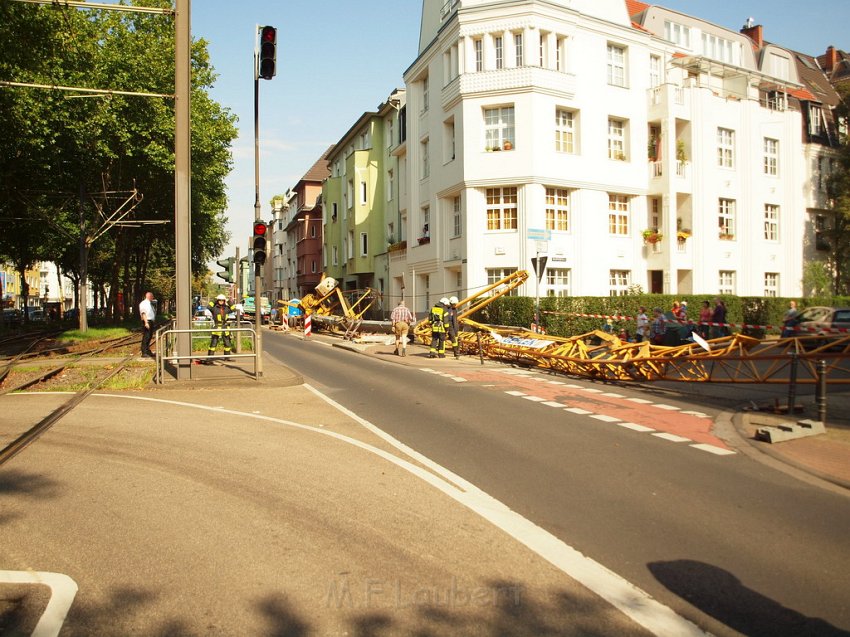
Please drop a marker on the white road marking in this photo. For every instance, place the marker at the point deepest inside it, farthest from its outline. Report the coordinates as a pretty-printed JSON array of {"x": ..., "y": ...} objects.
[
  {"x": 62, "y": 592},
  {"x": 576, "y": 410},
  {"x": 639, "y": 401},
  {"x": 635, "y": 427},
  {"x": 663, "y": 406},
  {"x": 698, "y": 414},
  {"x": 536, "y": 399},
  {"x": 458, "y": 379},
  {"x": 613, "y": 395},
  {"x": 515, "y": 393},
  {"x": 552, "y": 403},
  {"x": 630, "y": 600},
  {"x": 605, "y": 418},
  {"x": 556, "y": 382},
  {"x": 717, "y": 451},
  {"x": 590, "y": 390},
  {"x": 672, "y": 437}
]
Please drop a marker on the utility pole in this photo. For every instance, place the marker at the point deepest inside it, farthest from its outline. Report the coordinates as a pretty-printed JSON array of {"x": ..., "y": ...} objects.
[{"x": 182, "y": 183}]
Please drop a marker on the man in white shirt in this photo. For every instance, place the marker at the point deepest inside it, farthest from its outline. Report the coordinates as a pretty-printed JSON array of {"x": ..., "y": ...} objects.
[
  {"x": 147, "y": 314},
  {"x": 642, "y": 332}
]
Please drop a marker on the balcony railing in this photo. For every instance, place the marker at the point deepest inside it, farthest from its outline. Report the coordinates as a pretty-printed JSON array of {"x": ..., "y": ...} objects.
[{"x": 655, "y": 169}]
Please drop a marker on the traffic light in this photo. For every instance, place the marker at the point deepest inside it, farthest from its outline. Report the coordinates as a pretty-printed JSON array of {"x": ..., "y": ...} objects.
[
  {"x": 227, "y": 264},
  {"x": 268, "y": 53},
  {"x": 259, "y": 242}
]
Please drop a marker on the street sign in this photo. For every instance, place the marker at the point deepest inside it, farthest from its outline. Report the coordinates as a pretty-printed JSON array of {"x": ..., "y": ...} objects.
[
  {"x": 539, "y": 234},
  {"x": 539, "y": 264}
]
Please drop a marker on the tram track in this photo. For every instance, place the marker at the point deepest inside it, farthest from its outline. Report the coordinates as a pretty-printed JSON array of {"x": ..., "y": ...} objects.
[{"x": 24, "y": 440}]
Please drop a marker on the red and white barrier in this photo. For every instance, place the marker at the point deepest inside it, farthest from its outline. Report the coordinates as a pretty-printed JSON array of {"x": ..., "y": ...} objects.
[
  {"x": 308, "y": 325},
  {"x": 796, "y": 328}
]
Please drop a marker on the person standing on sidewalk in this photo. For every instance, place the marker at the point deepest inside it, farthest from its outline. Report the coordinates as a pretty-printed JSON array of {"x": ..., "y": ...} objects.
[
  {"x": 402, "y": 318},
  {"x": 439, "y": 325},
  {"x": 220, "y": 309},
  {"x": 642, "y": 331},
  {"x": 148, "y": 315}
]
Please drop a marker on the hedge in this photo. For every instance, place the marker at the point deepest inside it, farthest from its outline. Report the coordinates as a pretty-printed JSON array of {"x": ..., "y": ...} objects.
[{"x": 557, "y": 314}]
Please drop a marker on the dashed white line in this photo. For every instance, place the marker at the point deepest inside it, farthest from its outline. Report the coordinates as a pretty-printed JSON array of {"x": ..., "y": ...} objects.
[
  {"x": 590, "y": 390},
  {"x": 605, "y": 418},
  {"x": 613, "y": 395},
  {"x": 717, "y": 451},
  {"x": 671, "y": 437},
  {"x": 552, "y": 403},
  {"x": 576, "y": 410},
  {"x": 698, "y": 414},
  {"x": 534, "y": 399},
  {"x": 515, "y": 393},
  {"x": 667, "y": 407},
  {"x": 639, "y": 401},
  {"x": 635, "y": 427}
]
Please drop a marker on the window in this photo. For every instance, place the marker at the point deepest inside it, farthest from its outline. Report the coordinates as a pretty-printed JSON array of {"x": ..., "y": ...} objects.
[
  {"x": 543, "y": 50},
  {"x": 558, "y": 281},
  {"x": 616, "y": 65},
  {"x": 499, "y": 126},
  {"x": 655, "y": 213},
  {"x": 726, "y": 282},
  {"x": 654, "y": 70},
  {"x": 389, "y": 133},
  {"x": 771, "y": 156},
  {"x": 619, "y": 282},
  {"x": 390, "y": 184},
  {"x": 616, "y": 139},
  {"x": 502, "y": 208},
  {"x": 816, "y": 125},
  {"x": 557, "y": 209},
  {"x": 425, "y": 97},
  {"x": 313, "y": 266},
  {"x": 349, "y": 193},
  {"x": 618, "y": 214},
  {"x": 365, "y": 141},
  {"x": 726, "y": 218},
  {"x": 448, "y": 141},
  {"x": 564, "y": 131},
  {"x": 499, "y": 46},
  {"x": 725, "y": 148},
  {"x": 350, "y": 245},
  {"x": 561, "y": 55},
  {"x": 364, "y": 244},
  {"x": 518, "y": 61},
  {"x": 478, "y": 47},
  {"x": 426, "y": 221},
  {"x": 779, "y": 66},
  {"x": 424, "y": 159},
  {"x": 494, "y": 275},
  {"x": 334, "y": 211},
  {"x": 771, "y": 222},
  {"x": 363, "y": 193},
  {"x": 720, "y": 49},
  {"x": 677, "y": 34},
  {"x": 771, "y": 284},
  {"x": 457, "y": 218}
]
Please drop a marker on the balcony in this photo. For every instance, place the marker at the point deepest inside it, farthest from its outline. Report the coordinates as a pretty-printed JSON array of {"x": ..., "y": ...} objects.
[{"x": 508, "y": 81}]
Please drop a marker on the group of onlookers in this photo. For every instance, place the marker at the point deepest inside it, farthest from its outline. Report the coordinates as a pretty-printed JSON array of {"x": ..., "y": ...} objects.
[{"x": 711, "y": 324}]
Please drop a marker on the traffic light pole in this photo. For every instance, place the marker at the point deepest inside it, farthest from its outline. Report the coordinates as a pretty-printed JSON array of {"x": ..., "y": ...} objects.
[{"x": 258, "y": 269}]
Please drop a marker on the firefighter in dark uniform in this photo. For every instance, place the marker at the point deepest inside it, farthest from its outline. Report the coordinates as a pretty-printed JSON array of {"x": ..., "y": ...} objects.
[
  {"x": 439, "y": 326},
  {"x": 453, "y": 329},
  {"x": 220, "y": 309}
]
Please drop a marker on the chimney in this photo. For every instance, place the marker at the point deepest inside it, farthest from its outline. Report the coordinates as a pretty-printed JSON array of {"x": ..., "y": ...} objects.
[
  {"x": 754, "y": 32},
  {"x": 830, "y": 59}
]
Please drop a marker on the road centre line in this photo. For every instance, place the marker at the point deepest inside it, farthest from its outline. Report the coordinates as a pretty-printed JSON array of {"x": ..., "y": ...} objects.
[
  {"x": 635, "y": 427},
  {"x": 515, "y": 393},
  {"x": 605, "y": 418},
  {"x": 552, "y": 403},
  {"x": 630, "y": 600},
  {"x": 663, "y": 406},
  {"x": 639, "y": 401},
  {"x": 671, "y": 437},
  {"x": 535, "y": 399},
  {"x": 712, "y": 449},
  {"x": 578, "y": 410}
]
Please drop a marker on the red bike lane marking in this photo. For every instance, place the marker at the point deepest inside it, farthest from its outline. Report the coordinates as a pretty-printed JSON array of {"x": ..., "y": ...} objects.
[{"x": 697, "y": 429}]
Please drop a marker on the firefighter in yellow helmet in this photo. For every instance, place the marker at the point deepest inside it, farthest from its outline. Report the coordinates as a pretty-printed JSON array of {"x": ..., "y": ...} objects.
[
  {"x": 220, "y": 309},
  {"x": 453, "y": 328},
  {"x": 439, "y": 326}
]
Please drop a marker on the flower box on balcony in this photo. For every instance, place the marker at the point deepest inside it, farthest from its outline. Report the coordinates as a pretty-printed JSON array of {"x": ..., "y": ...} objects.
[
  {"x": 399, "y": 245},
  {"x": 726, "y": 237},
  {"x": 682, "y": 236},
  {"x": 652, "y": 236},
  {"x": 423, "y": 240}
]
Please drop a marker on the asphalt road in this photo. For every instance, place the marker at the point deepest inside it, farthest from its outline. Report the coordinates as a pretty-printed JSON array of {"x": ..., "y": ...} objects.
[{"x": 731, "y": 544}]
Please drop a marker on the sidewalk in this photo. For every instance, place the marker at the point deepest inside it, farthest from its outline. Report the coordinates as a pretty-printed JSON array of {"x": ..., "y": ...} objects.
[{"x": 824, "y": 456}]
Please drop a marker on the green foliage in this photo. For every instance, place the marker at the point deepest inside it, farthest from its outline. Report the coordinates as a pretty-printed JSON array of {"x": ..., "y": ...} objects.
[
  {"x": 93, "y": 334},
  {"x": 560, "y": 315},
  {"x": 68, "y": 151}
]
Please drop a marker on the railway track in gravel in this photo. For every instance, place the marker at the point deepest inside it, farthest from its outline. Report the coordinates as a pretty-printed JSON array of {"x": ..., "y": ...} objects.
[{"x": 28, "y": 437}]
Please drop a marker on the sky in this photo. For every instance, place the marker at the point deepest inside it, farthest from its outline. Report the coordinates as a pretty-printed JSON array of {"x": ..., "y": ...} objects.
[{"x": 337, "y": 59}]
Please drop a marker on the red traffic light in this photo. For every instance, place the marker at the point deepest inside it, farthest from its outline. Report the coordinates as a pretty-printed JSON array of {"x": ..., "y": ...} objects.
[
  {"x": 260, "y": 228},
  {"x": 268, "y": 34}
]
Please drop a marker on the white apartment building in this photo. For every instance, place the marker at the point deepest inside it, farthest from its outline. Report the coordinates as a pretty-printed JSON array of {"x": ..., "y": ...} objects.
[{"x": 571, "y": 129}]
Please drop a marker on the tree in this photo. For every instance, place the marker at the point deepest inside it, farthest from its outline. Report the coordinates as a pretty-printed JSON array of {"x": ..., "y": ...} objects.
[
  {"x": 838, "y": 189},
  {"x": 69, "y": 157}
]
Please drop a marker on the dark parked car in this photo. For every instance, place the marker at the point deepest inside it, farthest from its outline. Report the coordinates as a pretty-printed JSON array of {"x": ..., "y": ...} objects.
[{"x": 12, "y": 317}]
